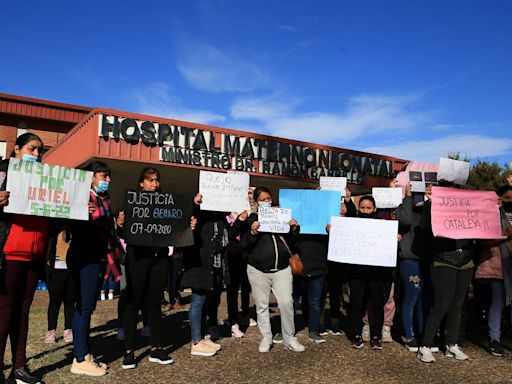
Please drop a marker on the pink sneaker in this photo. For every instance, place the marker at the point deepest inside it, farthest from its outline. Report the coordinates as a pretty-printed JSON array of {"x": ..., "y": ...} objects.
[
  {"x": 68, "y": 335},
  {"x": 50, "y": 337}
]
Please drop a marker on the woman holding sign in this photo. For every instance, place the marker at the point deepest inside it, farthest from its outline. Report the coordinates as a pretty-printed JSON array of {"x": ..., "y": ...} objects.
[
  {"x": 146, "y": 278},
  {"x": 269, "y": 270},
  {"x": 451, "y": 271},
  {"x": 23, "y": 241},
  {"x": 207, "y": 272}
]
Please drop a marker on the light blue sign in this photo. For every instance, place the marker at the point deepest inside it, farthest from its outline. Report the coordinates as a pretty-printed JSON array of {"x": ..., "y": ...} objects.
[{"x": 311, "y": 208}]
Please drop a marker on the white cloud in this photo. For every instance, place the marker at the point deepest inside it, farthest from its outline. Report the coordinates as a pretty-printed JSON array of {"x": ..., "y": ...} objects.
[
  {"x": 365, "y": 114},
  {"x": 431, "y": 150},
  {"x": 210, "y": 69},
  {"x": 156, "y": 99}
]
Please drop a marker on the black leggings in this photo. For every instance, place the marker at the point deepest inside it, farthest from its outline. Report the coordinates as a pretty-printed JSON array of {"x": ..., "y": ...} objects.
[
  {"x": 146, "y": 279},
  {"x": 368, "y": 285},
  {"x": 450, "y": 287},
  {"x": 61, "y": 290}
]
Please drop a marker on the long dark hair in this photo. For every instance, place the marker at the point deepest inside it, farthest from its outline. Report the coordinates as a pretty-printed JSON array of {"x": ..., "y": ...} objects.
[
  {"x": 24, "y": 139},
  {"x": 258, "y": 191}
]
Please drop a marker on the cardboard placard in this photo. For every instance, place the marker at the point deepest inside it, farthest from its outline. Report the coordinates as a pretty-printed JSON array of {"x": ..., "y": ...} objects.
[
  {"x": 48, "y": 190},
  {"x": 454, "y": 171},
  {"x": 328, "y": 183},
  {"x": 463, "y": 214},
  {"x": 363, "y": 241},
  {"x": 274, "y": 220},
  {"x": 151, "y": 218},
  {"x": 387, "y": 197},
  {"x": 311, "y": 209},
  {"x": 223, "y": 192}
]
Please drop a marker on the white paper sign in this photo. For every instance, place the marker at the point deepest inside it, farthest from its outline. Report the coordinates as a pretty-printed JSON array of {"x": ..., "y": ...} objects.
[
  {"x": 274, "y": 220},
  {"x": 223, "y": 192},
  {"x": 387, "y": 197},
  {"x": 455, "y": 171},
  {"x": 48, "y": 190},
  {"x": 363, "y": 241},
  {"x": 333, "y": 184}
]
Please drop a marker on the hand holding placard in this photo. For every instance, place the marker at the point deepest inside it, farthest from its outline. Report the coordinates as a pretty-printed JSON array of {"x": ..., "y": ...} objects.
[
  {"x": 387, "y": 197},
  {"x": 274, "y": 220},
  {"x": 223, "y": 192}
]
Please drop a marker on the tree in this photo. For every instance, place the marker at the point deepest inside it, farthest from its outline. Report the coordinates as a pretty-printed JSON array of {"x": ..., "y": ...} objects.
[{"x": 487, "y": 176}]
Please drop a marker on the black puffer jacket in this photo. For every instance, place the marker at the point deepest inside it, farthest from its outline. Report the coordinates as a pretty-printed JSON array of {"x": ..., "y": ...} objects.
[
  {"x": 313, "y": 253},
  {"x": 198, "y": 260},
  {"x": 267, "y": 252}
]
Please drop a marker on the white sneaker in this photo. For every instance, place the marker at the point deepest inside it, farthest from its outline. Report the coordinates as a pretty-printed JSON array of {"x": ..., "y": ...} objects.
[
  {"x": 434, "y": 349},
  {"x": 202, "y": 349},
  {"x": 366, "y": 333},
  {"x": 102, "y": 296},
  {"x": 295, "y": 346},
  {"x": 455, "y": 352},
  {"x": 111, "y": 295},
  {"x": 386, "y": 334},
  {"x": 265, "y": 345},
  {"x": 252, "y": 323},
  {"x": 425, "y": 355},
  {"x": 236, "y": 332}
]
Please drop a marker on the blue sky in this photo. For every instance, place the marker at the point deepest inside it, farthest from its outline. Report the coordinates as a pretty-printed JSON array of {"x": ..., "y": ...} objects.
[{"x": 413, "y": 79}]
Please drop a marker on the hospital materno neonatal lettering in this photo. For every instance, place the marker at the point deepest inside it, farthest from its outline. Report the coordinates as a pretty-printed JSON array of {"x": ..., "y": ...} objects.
[{"x": 197, "y": 147}]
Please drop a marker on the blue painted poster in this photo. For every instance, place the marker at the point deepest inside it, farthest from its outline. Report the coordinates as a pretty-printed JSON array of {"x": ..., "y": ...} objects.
[{"x": 311, "y": 208}]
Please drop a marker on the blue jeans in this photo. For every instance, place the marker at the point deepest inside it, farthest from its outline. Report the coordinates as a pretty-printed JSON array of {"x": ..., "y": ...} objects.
[
  {"x": 496, "y": 308},
  {"x": 87, "y": 284},
  {"x": 195, "y": 315},
  {"x": 313, "y": 286},
  {"x": 412, "y": 284}
]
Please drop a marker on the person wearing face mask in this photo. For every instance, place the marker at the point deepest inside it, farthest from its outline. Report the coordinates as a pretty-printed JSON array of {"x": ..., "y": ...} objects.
[
  {"x": 411, "y": 268},
  {"x": 369, "y": 287},
  {"x": 495, "y": 268},
  {"x": 146, "y": 278},
  {"x": 23, "y": 240},
  {"x": 451, "y": 271},
  {"x": 268, "y": 269},
  {"x": 91, "y": 243}
]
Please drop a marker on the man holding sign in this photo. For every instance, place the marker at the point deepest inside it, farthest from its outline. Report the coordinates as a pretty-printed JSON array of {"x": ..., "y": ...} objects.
[{"x": 268, "y": 257}]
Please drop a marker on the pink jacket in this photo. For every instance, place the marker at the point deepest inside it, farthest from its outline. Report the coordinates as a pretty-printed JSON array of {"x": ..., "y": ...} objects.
[{"x": 489, "y": 266}]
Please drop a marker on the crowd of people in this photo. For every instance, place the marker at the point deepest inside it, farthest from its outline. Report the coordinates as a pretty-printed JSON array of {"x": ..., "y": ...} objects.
[{"x": 80, "y": 259}]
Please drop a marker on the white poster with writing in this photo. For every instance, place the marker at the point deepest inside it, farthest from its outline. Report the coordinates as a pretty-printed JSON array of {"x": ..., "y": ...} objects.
[
  {"x": 363, "y": 241},
  {"x": 223, "y": 192},
  {"x": 274, "y": 220},
  {"x": 455, "y": 171},
  {"x": 48, "y": 190},
  {"x": 387, "y": 197},
  {"x": 328, "y": 183}
]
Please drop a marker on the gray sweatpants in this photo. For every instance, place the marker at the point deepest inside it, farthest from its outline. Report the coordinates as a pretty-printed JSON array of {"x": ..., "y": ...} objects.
[{"x": 280, "y": 283}]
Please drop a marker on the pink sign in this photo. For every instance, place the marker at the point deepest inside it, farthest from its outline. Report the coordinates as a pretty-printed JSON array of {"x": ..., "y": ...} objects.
[{"x": 463, "y": 214}]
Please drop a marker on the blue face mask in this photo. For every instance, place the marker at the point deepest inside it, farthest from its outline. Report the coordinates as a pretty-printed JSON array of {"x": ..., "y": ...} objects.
[
  {"x": 102, "y": 187},
  {"x": 27, "y": 157}
]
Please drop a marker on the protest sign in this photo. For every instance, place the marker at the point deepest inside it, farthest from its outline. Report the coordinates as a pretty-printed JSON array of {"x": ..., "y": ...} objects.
[
  {"x": 223, "y": 192},
  {"x": 48, "y": 190},
  {"x": 463, "y": 214},
  {"x": 152, "y": 217},
  {"x": 274, "y": 220},
  {"x": 387, "y": 197},
  {"x": 420, "y": 180},
  {"x": 363, "y": 241},
  {"x": 333, "y": 184},
  {"x": 312, "y": 209},
  {"x": 455, "y": 171}
]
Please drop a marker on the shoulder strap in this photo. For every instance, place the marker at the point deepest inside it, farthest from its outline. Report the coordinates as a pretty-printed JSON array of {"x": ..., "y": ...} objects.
[{"x": 285, "y": 244}]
